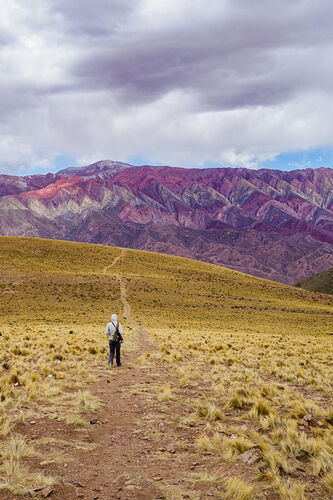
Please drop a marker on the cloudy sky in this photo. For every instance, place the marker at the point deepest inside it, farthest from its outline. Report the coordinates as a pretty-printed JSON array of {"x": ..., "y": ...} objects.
[{"x": 178, "y": 82}]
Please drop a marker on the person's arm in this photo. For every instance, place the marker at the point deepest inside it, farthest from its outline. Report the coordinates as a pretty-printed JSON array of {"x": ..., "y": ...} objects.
[
  {"x": 120, "y": 329},
  {"x": 107, "y": 330}
]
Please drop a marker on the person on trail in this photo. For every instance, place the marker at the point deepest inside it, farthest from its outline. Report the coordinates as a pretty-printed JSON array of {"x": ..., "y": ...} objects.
[{"x": 114, "y": 331}]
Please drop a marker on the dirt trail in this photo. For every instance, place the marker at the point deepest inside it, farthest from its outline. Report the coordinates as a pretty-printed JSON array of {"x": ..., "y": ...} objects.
[
  {"x": 126, "y": 306},
  {"x": 114, "y": 262},
  {"x": 135, "y": 437},
  {"x": 136, "y": 446},
  {"x": 122, "y": 287}
]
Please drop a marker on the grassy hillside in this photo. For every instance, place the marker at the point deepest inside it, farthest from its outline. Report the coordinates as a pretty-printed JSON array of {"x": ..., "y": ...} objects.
[
  {"x": 322, "y": 282},
  {"x": 250, "y": 359}
]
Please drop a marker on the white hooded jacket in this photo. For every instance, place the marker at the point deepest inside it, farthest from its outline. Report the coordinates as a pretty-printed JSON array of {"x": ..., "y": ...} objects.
[{"x": 111, "y": 327}]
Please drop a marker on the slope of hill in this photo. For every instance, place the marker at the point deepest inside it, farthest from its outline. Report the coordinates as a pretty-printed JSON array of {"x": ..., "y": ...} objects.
[
  {"x": 268, "y": 223},
  {"x": 225, "y": 388},
  {"x": 322, "y": 282}
]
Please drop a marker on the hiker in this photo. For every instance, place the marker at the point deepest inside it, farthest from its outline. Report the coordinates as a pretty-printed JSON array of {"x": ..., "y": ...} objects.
[{"x": 114, "y": 331}]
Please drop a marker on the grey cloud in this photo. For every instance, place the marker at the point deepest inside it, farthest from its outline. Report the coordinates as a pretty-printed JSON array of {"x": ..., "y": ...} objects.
[
  {"x": 87, "y": 19},
  {"x": 96, "y": 78},
  {"x": 231, "y": 62},
  {"x": 5, "y": 38}
]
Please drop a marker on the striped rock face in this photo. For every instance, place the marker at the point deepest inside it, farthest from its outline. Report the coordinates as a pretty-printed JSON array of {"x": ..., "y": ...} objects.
[{"x": 269, "y": 223}]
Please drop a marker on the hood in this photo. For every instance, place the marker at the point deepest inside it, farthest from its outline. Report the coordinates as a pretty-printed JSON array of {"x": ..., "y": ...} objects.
[{"x": 114, "y": 318}]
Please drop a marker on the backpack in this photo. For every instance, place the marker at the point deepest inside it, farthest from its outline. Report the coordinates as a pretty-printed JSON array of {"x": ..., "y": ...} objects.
[{"x": 115, "y": 337}]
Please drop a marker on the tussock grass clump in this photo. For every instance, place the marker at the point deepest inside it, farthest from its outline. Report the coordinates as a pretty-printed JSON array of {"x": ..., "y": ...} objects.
[
  {"x": 85, "y": 401},
  {"x": 327, "y": 482},
  {"x": 18, "y": 478},
  {"x": 76, "y": 420},
  {"x": 291, "y": 490},
  {"x": 269, "y": 391},
  {"x": 278, "y": 462},
  {"x": 164, "y": 393},
  {"x": 204, "y": 443},
  {"x": 322, "y": 463},
  {"x": 261, "y": 409},
  {"x": 329, "y": 416},
  {"x": 17, "y": 448},
  {"x": 233, "y": 447},
  {"x": 237, "y": 402},
  {"x": 209, "y": 412},
  {"x": 237, "y": 489}
]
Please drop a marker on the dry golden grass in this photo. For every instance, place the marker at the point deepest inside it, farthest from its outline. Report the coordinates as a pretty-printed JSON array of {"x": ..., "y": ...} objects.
[
  {"x": 236, "y": 489},
  {"x": 55, "y": 302},
  {"x": 257, "y": 354}
]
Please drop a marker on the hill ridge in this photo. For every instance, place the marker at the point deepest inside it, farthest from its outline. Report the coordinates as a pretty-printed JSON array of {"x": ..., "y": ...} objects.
[{"x": 223, "y": 375}]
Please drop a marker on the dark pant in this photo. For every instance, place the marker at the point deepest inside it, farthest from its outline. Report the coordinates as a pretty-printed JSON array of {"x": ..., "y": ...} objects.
[{"x": 114, "y": 346}]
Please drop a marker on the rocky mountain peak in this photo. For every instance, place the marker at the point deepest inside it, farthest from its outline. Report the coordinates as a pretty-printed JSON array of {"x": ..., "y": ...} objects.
[{"x": 104, "y": 169}]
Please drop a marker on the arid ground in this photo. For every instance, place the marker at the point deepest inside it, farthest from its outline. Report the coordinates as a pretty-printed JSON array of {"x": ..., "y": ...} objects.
[{"x": 225, "y": 388}]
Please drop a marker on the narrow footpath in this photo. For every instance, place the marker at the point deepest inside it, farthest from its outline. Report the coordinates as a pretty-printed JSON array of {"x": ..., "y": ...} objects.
[{"x": 140, "y": 450}]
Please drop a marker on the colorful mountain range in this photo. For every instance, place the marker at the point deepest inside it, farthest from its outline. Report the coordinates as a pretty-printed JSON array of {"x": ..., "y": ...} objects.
[{"x": 269, "y": 223}]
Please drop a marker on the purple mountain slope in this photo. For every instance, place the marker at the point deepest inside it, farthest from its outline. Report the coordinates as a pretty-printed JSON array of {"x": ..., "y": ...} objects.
[{"x": 269, "y": 223}]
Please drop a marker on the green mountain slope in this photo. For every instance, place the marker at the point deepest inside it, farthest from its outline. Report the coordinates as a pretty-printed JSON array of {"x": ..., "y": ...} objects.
[{"x": 322, "y": 282}]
